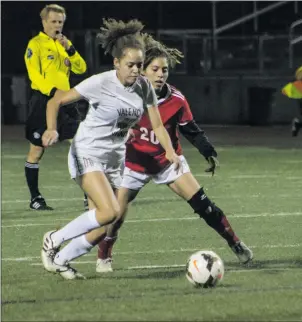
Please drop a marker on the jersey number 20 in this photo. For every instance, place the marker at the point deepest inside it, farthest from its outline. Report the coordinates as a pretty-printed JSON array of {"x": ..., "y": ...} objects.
[{"x": 148, "y": 135}]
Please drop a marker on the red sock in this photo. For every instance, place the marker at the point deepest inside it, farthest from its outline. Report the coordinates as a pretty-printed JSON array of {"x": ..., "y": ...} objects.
[
  {"x": 105, "y": 247},
  {"x": 219, "y": 222},
  {"x": 213, "y": 216},
  {"x": 228, "y": 233}
]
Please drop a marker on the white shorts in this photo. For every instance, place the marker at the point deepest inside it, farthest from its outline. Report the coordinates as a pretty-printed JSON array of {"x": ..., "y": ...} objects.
[
  {"x": 136, "y": 180},
  {"x": 79, "y": 165}
]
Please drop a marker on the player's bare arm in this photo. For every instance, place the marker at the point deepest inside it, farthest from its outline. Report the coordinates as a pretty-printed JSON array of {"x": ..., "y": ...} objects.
[
  {"x": 50, "y": 136},
  {"x": 163, "y": 136}
]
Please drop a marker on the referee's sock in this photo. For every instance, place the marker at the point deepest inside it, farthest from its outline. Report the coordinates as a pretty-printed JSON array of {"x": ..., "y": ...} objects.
[{"x": 32, "y": 178}]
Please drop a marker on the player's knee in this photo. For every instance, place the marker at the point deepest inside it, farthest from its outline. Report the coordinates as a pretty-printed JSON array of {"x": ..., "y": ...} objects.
[
  {"x": 108, "y": 215},
  {"x": 203, "y": 206}
]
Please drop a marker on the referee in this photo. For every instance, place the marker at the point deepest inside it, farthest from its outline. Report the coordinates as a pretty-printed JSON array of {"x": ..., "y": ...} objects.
[
  {"x": 49, "y": 58},
  {"x": 297, "y": 122}
]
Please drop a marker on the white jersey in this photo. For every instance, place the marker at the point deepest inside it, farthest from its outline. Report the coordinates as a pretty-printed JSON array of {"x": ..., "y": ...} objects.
[{"x": 113, "y": 109}]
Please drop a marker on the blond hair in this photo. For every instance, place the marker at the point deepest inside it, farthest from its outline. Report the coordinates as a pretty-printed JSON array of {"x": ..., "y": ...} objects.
[
  {"x": 52, "y": 7},
  {"x": 116, "y": 36}
]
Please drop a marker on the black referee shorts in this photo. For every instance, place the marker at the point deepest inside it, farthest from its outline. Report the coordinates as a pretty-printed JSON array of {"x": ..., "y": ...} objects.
[{"x": 68, "y": 120}]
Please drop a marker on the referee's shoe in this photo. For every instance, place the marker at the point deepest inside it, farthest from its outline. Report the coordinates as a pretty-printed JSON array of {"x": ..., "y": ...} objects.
[{"x": 39, "y": 203}]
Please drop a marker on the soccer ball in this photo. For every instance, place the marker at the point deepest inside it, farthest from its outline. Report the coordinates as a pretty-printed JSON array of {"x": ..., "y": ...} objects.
[{"x": 204, "y": 269}]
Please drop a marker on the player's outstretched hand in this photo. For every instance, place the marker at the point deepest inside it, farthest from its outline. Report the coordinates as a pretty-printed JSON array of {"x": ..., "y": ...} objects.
[
  {"x": 213, "y": 162},
  {"x": 174, "y": 158},
  {"x": 49, "y": 137}
]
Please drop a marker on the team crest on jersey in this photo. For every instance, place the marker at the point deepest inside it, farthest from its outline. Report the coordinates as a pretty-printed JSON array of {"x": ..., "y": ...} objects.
[
  {"x": 67, "y": 62},
  {"x": 29, "y": 52}
]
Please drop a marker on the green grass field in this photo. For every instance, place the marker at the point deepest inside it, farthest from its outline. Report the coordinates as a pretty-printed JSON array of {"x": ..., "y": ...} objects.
[{"x": 259, "y": 186}]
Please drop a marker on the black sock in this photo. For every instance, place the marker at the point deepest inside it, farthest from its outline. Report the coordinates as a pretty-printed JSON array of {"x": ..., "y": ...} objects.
[
  {"x": 32, "y": 178},
  {"x": 219, "y": 222},
  {"x": 213, "y": 216}
]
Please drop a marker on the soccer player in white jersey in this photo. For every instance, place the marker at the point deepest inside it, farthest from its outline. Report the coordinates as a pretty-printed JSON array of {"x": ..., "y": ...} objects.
[
  {"x": 145, "y": 161},
  {"x": 117, "y": 99}
]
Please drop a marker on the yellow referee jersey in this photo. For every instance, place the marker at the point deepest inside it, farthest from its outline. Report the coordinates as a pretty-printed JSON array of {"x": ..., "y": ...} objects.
[
  {"x": 294, "y": 89},
  {"x": 48, "y": 64}
]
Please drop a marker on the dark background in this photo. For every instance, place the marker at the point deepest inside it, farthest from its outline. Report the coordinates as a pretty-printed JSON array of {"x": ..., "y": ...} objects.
[
  {"x": 20, "y": 19},
  {"x": 232, "y": 85}
]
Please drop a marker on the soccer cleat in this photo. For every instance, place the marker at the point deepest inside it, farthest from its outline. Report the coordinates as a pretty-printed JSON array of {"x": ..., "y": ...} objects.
[
  {"x": 243, "y": 253},
  {"x": 49, "y": 251},
  {"x": 104, "y": 265},
  {"x": 67, "y": 272},
  {"x": 39, "y": 203},
  {"x": 295, "y": 126}
]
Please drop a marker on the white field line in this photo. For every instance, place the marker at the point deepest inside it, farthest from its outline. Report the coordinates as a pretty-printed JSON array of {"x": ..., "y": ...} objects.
[
  {"x": 186, "y": 149},
  {"x": 203, "y": 175},
  {"x": 23, "y": 156},
  {"x": 50, "y": 200},
  {"x": 74, "y": 210},
  {"x": 131, "y": 268},
  {"x": 31, "y": 258},
  {"x": 64, "y": 155},
  {"x": 46, "y": 187},
  {"x": 292, "y": 161},
  {"x": 261, "y": 176},
  {"x": 155, "y": 198},
  {"x": 248, "y": 270},
  {"x": 280, "y": 214},
  {"x": 138, "y": 220}
]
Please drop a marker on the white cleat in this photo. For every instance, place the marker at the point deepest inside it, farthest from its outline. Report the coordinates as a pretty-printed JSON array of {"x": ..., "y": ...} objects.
[
  {"x": 244, "y": 254},
  {"x": 49, "y": 251},
  {"x": 104, "y": 265},
  {"x": 67, "y": 272}
]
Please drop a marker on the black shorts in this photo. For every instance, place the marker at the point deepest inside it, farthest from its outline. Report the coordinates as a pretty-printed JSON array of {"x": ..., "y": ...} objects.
[{"x": 68, "y": 120}]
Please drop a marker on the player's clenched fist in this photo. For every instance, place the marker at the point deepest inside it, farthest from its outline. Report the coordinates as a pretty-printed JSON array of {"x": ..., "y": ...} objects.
[
  {"x": 50, "y": 137},
  {"x": 174, "y": 158}
]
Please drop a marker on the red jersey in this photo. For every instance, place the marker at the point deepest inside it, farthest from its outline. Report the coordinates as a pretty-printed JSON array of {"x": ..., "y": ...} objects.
[{"x": 144, "y": 153}]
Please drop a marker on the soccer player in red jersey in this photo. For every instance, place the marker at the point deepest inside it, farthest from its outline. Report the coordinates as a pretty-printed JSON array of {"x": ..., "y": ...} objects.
[{"x": 145, "y": 160}]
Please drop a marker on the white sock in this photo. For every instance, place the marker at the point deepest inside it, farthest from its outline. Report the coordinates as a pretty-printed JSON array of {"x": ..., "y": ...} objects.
[
  {"x": 77, "y": 227},
  {"x": 77, "y": 247}
]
